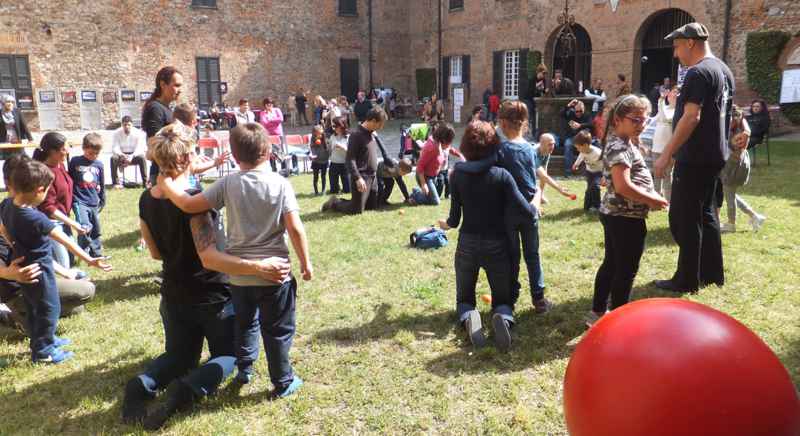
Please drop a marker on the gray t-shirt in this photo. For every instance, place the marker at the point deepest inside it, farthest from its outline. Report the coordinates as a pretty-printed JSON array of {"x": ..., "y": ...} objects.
[{"x": 255, "y": 202}]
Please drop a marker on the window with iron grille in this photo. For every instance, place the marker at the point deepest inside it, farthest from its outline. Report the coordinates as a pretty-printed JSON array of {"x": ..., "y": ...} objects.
[{"x": 511, "y": 74}]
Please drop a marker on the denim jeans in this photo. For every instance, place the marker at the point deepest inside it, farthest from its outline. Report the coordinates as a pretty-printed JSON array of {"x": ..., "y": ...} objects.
[
  {"x": 89, "y": 218},
  {"x": 60, "y": 252},
  {"x": 43, "y": 308},
  {"x": 526, "y": 232},
  {"x": 185, "y": 327},
  {"x": 591, "y": 198},
  {"x": 433, "y": 195},
  {"x": 472, "y": 253},
  {"x": 624, "y": 244},
  {"x": 270, "y": 310},
  {"x": 569, "y": 156},
  {"x": 733, "y": 200},
  {"x": 337, "y": 173}
]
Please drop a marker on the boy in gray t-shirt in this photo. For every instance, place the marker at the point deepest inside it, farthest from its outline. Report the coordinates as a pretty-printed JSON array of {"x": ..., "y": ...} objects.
[{"x": 261, "y": 209}]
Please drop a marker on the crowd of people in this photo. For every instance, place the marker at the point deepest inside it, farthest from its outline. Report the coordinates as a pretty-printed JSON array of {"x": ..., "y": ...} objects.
[{"x": 230, "y": 288}]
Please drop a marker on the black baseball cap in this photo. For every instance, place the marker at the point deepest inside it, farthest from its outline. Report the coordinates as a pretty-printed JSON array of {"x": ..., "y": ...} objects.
[{"x": 689, "y": 31}]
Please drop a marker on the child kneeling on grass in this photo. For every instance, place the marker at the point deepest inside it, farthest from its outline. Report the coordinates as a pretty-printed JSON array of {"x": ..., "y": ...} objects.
[
  {"x": 30, "y": 232},
  {"x": 261, "y": 208},
  {"x": 485, "y": 196},
  {"x": 630, "y": 195}
]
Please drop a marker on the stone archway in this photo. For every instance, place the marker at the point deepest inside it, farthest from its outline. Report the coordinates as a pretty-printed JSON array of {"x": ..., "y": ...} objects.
[
  {"x": 577, "y": 66},
  {"x": 653, "y": 58}
]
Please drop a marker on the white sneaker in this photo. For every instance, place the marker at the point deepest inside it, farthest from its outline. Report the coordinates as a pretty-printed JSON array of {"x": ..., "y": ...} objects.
[
  {"x": 727, "y": 228},
  {"x": 757, "y": 221}
]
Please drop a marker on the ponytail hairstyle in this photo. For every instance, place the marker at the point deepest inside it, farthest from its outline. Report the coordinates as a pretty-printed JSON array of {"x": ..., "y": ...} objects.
[
  {"x": 165, "y": 75},
  {"x": 622, "y": 107},
  {"x": 514, "y": 113},
  {"x": 50, "y": 142}
]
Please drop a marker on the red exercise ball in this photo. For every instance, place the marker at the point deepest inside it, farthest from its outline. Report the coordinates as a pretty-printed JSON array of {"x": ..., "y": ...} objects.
[{"x": 673, "y": 367}]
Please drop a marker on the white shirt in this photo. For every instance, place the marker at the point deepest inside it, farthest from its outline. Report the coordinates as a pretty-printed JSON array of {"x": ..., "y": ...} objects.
[
  {"x": 663, "y": 132},
  {"x": 598, "y": 98},
  {"x": 131, "y": 144},
  {"x": 593, "y": 159},
  {"x": 246, "y": 117}
]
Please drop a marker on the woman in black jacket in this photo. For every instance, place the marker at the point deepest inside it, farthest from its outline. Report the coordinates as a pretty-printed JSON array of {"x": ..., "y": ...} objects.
[
  {"x": 12, "y": 127},
  {"x": 758, "y": 120}
]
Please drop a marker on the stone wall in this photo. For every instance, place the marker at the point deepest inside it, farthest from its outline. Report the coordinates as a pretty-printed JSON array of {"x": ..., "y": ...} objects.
[
  {"x": 275, "y": 48},
  {"x": 272, "y": 50}
]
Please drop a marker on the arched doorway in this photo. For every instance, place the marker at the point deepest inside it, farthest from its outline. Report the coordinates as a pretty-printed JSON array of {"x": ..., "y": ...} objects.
[
  {"x": 654, "y": 55},
  {"x": 578, "y": 65}
]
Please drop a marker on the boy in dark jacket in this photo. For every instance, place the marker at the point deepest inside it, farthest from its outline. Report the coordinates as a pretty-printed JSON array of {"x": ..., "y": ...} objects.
[{"x": 89, "y": 193}]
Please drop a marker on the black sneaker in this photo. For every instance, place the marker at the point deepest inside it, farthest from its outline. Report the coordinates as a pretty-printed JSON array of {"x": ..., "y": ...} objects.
[
  {"x": 134, "y": 404},
  {"x": 474, "y": 329},
  {"x": 180, "y": 398},
  {"x": 502, "y": 335},
  {"x": 671, "y": 286},
  {"x": 542, "y": 305}
]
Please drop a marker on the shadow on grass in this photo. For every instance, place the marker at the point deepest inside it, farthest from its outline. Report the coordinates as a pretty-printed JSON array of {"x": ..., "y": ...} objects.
[
  {"x": 124, "y": 288},
  {"x": 318, "y": 215},
  {"x": 102, "y": 383},
  {"x": 122, "y": 240},
  {"x": 568, "y": 214}
]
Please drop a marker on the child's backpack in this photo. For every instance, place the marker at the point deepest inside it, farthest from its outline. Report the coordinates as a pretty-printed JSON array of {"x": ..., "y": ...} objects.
[{"x": 427, "y": 238}]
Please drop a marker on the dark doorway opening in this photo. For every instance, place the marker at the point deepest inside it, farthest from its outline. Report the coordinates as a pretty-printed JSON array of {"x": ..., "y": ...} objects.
[
  {"x": 349, "y": 78},
  {"x": 657, "y": 61}
]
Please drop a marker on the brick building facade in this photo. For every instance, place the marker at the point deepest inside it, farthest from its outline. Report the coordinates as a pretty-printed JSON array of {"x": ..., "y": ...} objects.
[{"x": 112, "y": 49}]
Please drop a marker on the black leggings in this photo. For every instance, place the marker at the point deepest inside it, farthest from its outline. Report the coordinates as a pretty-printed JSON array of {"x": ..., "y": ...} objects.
[
  {"x": 319, "y": 169},
  {"x": 624, "y": 245}
]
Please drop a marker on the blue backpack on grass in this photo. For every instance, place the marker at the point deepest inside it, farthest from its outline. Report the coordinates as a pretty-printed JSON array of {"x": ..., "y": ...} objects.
[{"x": 427, "y": 238}]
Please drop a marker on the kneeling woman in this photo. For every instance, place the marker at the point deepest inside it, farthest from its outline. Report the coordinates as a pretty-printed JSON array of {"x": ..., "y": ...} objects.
[
  {"x": 195, "y": 301},
  {"x": 484, "y": 198}
]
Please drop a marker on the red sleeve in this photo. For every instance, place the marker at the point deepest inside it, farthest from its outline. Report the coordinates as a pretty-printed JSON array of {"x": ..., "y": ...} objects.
[
  {"x": 50, "y": 203},
  {"x": 427, "y": 156}
]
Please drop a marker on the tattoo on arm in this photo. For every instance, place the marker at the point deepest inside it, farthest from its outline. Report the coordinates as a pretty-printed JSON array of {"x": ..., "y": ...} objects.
[{"x": 203, "y": 232}]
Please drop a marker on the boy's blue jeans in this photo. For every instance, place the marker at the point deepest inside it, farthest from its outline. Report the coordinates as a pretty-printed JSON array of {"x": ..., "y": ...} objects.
[
  {"x": 433, "y": 195},
  {"x": 475, "y": 252},
  {"x": 270, "y": 310},
  {"x": 185, "y": 327},
  {"x": 43, "y": 308},
  {"x": 569, "y": 156},
  {"x": 89, "y": 218},
  {"x": 527, "y": 232}
]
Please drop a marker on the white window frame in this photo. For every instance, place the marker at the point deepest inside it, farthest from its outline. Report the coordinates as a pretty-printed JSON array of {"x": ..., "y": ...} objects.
[
  {"x": 511, "y": 74},
  {"x": 456, "y": 69}
]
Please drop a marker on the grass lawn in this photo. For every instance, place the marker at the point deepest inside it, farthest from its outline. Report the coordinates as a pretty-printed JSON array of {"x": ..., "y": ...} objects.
[{"x": 376, "y": 340}]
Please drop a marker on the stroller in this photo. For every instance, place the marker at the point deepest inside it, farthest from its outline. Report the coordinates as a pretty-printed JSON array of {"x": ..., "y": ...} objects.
[{"x": 412, "y": 138}]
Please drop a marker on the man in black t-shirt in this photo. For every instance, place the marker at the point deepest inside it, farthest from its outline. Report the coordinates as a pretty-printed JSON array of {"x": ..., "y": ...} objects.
[
  {"x": 156, "y": 112},
  {"x": 699, "y": 146}
]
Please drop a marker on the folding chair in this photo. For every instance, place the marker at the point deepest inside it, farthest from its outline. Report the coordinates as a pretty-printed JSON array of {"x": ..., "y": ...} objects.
[
  {"x": 211, "y": 143},
  {"x": 297, "y": 145}
]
